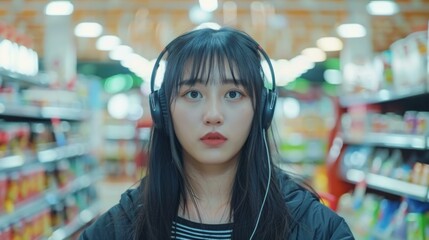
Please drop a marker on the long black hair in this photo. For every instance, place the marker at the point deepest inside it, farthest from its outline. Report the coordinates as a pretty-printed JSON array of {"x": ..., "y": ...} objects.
[{"x": 166, "y": 184}]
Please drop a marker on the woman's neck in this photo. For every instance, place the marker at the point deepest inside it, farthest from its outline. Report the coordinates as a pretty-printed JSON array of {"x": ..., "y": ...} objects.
[{"x": 209, "y": 194}]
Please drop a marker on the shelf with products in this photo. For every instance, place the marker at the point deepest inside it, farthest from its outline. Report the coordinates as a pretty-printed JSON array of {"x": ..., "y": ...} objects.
[
  {"x": 382, "y": 127},
  {"x": 382, "y": 96},
  {"x": 42, "y": 201},
  {"x": 83, "y": 218},
  {"x": 410, "y": 141},
  {"x": 47, "y": 173},
  {"x": 43, "y": 156},
  {"x": 371, "y": 216},
  {"x": 28, "y": 99},
  {"x": 388, "y": 184},
  {"x": 35, "y": 112},
  {"x": 399, "y": 171}
]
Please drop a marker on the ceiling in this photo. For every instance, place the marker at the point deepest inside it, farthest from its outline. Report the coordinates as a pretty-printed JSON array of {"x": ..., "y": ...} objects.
[{"x": 283, "y": 27}]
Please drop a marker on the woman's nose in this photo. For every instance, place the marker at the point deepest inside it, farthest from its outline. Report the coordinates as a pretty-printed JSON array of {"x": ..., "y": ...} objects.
[{"x": 213, "y": 113}]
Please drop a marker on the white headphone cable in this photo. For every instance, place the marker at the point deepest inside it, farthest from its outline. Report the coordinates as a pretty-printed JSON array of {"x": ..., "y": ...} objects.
[{"x": 268, "y": 184}]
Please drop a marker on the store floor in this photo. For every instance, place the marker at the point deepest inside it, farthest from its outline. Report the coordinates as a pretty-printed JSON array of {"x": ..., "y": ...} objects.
[{"x": 110, "y": 190}]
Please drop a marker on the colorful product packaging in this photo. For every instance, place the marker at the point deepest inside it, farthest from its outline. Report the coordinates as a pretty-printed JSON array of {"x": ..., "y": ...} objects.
[{"x": 415, "y": 226}]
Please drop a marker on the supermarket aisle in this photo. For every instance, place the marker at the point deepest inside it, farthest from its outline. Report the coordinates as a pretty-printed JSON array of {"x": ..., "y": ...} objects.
[{"x": 110, "y": 190}]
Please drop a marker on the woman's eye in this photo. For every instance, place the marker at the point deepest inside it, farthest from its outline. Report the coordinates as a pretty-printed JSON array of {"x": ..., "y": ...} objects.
[
  {"x": 233, "y": 95},
  {"x": 193, "y": 94}
]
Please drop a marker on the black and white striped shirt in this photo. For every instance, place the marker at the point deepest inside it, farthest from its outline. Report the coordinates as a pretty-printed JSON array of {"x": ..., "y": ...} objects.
[{"x": 183, "y": 229}]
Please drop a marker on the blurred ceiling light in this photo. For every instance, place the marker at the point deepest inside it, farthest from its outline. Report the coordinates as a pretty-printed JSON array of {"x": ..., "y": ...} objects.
[
  {"x": 59, "y": 8},
  {"x": 197, "y": 15},
  {"x": 329, "y": 44},
  {"x": 291, "y": 107},
  {"x": 314, "y": 54},
  {"x": 208, "y": 5},
  {"x": 211, "y": 25},
  {"x": 88, "y": 29},
  {"x": 282, "y": 72},
  {"x": 107, "y": 42},
  {"x": 118, "y": 83},
  {"x": 383, "y": 8},
  {"x": 135, "y": 62},
  {"x": 120, "y": 52},
  {"x": 118, "y": 106},
  {"x": 300, "y": 64},
  {"x": 351, "y": 30},
  {"x": 332, "y": 76}
]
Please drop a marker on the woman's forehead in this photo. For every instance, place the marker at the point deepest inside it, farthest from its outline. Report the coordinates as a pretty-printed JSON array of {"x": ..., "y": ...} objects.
[{"x": 215, "y": 69}]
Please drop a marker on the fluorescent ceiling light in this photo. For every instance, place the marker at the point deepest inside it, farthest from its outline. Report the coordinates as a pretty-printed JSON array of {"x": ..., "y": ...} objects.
[
  {"x": 118, "y": 105},
  {"x": 383, "y": 8},
  {"x": 208, "y": 5},
  {"x": 329, "y": 44},
  {"x": 120, "y": 52},
  {"x": 88, "y": 29},
  {"x": 107, "y": 42},
  {"x": 314, "y": 54},
  {"x": 59, "y": 8},
  {"x": 300, "y": 64},
  {"x": 351, "y": 30}
]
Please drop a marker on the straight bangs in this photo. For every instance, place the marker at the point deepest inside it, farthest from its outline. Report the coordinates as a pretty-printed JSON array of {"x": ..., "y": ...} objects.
[{"x": 214, "y": 52}]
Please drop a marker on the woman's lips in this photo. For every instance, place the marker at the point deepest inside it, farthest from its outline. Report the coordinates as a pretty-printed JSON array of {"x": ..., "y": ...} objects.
[{"x": 213, "y": 139}]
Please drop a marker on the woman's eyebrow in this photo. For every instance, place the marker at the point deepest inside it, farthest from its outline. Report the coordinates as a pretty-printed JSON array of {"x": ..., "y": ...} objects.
[{"x": 190, "y": 82}]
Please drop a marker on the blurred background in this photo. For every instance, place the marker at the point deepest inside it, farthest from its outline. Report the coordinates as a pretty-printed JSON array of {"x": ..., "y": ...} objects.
[{"x": 352, "y": 117}]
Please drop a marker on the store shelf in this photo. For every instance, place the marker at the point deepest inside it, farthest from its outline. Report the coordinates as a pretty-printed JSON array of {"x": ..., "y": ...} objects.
[
  {"x": 408, "y": 141},
  {"x": 11, "y": 162},
  {"x": 58, "y": 153},
  {"x": 380, "y": 97},
  {"x": 389, "y": 185},
  {"x": 79, "y": 183},
  {"x": 37, "y": 204},
  {"x": 83, "y": 218},
  {"x": 45, "y": 156},
  {"x": 28, "y": 208},
  {"x": 34, "y": 112},
  {"x": 32, "y": 80}
]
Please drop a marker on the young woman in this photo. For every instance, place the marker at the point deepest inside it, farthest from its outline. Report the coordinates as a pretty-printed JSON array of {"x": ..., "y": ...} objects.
[{"x": 211, "y": 174}]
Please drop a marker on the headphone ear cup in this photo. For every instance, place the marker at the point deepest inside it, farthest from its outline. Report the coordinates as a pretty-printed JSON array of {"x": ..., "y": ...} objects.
[
  {"x": 269, "y": 99},
  {"x": 158, "y": 108}
]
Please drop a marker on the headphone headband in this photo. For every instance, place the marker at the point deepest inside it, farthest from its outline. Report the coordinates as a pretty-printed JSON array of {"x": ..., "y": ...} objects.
[
  {"x": 267, "y": 58},
  {"x": 155, "y": 69}
]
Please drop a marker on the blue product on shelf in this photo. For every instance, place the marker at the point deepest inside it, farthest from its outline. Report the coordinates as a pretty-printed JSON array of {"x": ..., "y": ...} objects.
[
  {"x": 417, "y": 206},
  {"x": 356, "y": 158},
  {"x": 397, "y": 229},
  {"x": 388, "y": 209}
]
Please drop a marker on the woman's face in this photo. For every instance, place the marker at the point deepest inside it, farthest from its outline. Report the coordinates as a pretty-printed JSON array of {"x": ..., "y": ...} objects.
[{"x": 212, "y": 121}]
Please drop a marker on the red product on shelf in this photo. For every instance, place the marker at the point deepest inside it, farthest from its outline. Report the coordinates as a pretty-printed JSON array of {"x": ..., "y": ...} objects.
[
  {"x": 4, "y": 140},
  {"x": 3, "y": 191},
  {"x": 6, "y": 233}
]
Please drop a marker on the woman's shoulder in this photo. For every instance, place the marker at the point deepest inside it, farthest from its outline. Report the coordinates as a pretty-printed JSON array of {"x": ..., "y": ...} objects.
[
  {"x": 310, "y": 218},
  {"x": 116, "y": 223}
]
